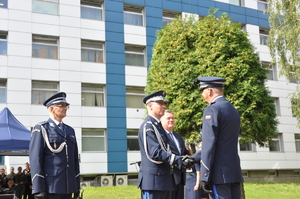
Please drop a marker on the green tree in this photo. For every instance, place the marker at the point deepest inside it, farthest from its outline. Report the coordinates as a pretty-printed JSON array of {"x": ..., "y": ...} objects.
[
  {"x": 187, "y": 49},
  {"x": 284, "y": 44}
]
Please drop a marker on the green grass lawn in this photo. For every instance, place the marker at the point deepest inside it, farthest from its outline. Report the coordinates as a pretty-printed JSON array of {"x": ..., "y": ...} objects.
[{"x": 259, "y": 190}]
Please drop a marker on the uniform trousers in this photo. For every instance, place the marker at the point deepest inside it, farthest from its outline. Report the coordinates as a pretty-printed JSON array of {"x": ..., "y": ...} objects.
[
  {"x": 226, "y": 191},
  {"x": 154, "y": 194},
  {"x": 59, "y": 196}
]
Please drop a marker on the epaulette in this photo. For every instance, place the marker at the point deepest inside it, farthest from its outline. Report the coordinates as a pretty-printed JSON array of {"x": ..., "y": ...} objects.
[
  {"x": 150, "y": 130},
  {"x": 43, "y": 122}
]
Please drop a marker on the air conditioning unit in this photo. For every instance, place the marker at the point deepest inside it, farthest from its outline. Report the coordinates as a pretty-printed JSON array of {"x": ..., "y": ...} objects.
[
  {"x": 89, "y": 184},
  {"x": 106, "y": 181},
  {"x": 121, "y": 180}
]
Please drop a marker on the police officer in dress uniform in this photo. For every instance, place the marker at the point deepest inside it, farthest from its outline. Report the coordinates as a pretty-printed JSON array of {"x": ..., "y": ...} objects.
[
  {"x": 220, "y": 163},
  {"x": 53, "y": 154},
  {"x": 177, "y": 146},
  {"x": 157, "y": 161}
]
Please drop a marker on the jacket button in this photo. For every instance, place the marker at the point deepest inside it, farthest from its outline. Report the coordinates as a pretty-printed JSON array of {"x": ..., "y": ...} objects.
[
  {"x": 158, "y": 174},
  {"x": 205, "y": 175}
]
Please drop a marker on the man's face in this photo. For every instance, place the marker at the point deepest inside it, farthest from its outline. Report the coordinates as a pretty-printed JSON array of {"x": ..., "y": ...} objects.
[
  {"x": 59, "y": 111},
  {"x": 2, "y": 171},
  {"x": 205, "y": 93},
  {"x": 12, "y": 169},
  {"x": 157, "y": 109},
  {"x": 167, "y": 121}
]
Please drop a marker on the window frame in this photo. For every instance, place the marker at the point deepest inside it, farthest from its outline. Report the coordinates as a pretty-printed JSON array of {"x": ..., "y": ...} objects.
[
  {"x": 94, "y": 136},
  {"x": 3, "y": 38},
  {"x": 3, "y": 85},
  {"x": 278, "y": 139},
  {"x": 272, "y": 70},
  {"x": 168, "y": 16},
  {"x": 42, "y": 89},
  {"x": 83, "y": 41},
  {"x": 45, "y": 5},
  {"x": 251, "y": 146},
  {"x": 133, "y": 10},
  {"x": 130, "y": 91},
  {"x": 92, "y": 4},
  {"x": 240, "y": 3},
  {"x": 262, "y": 2},
  {"x": 133, "y": 50},
  {"x": 90, "y": 85},
  {"x": 47, "y": 41},
  {"x": 263, "y": 36},
  {"x": 132, "y": 137},
  {"x": 297, "y": 140}
]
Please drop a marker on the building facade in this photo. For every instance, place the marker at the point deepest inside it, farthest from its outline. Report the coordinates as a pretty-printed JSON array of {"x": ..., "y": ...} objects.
[{"x": 98, "y": 52}]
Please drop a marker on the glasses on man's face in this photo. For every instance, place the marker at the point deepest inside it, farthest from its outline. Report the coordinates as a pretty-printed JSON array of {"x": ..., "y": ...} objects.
[{"x": 62, "y": 106}]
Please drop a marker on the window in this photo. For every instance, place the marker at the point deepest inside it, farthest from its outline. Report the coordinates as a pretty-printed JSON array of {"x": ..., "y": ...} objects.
[
  {"x": 44, "y": 47},
  {"x": 93, "y": 140},
  {"x": 45, "y": 6},
  {"x": 263, "y": 35},
  {"x": 3, "y": 43},
  {"x": 169, "y": 16},
  {"x": 91, "y": 9},
  {"x": 42, "y": 91},
  {"x": 3, "y": 3},
  {"x": 134, "y": 56},
  {"x": 92, "y": 95},
  {"x": 245, "y": 173},
  {"x": 246, "y": 146},
  {"x": 294, "y": 107},
  {"x": 292, "y": 78},
  {"x": 2, "y": 91},
  {"x": 272, "y": 173},
  {"x": 262, "y": 5},
  {"x": 236, "y": 2},
  {"x": 91, "y": 51},
  {"x": 277, "y": 106},
  {"x": 133, "y": 15},
  {"x": 134, "y": 97},
  {"x": 275, "y": 144},
  {"x": 132, "y": 140},
  {"x": 272, "y": 71},
  {"x": 297, "y": 142}
]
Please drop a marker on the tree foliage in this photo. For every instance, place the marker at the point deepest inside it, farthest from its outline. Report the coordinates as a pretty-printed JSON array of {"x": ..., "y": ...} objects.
[
  {"x": 186, "y": 49},
  {"x": 284, "y": 43}
]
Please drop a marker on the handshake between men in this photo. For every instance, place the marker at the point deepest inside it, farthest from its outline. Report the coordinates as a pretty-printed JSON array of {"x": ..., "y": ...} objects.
[{"x": 188, "y": 162}]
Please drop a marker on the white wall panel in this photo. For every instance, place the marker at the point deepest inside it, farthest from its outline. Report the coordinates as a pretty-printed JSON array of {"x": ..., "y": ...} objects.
[
  {"x": 19, "y": 85},
  {"x": 45, "y": 29},
  {"x": 14, "y": 97},
  {"x": 20, "y": 25},
  {"x": 20, "y": 37},
  {"x": 41, "y": 63},
  {"x": 93, "y": 67},
  {"x": 96, "y": 35},
  {"x": 3, "y": 61},
  {"x": 94, "y": 122},
  {"x": 70, "y": 65},
  {"x": 21, "y": 73},
  {"x": 20, "y": 5},
  {"x": 69, "y": 31},
  {"x": 3, "y": 24},
  {"x": 69, "y": 21},
  {"x": 70, "y": 54},
  {"x": 97, "y": 78},
  {"x": 19, "y": 15},
  {"x": 70, "y": 75},
  {"x": 19, "y": 49},
  {"x": 92, "y": 24},
  {"x": 69, "y": 10},
  {"x": 45, "y": 75},
  {"x": 38, "y": 18}
]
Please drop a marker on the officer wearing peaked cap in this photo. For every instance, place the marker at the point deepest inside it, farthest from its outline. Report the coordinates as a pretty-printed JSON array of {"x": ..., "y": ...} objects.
[
  {"x": 157, "y": 162},
  {"x": 220, "y": 163},
  {"x": 53, "y": 154}
]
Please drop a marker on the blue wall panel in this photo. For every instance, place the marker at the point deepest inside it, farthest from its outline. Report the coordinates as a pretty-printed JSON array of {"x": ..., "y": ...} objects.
[
  {"x": 154, "y": 22},
  {"x": 251, "y": 12},
  {"x": 207, "y": 3},
  {"x": 115, "y": 68},
  {"x": 171, "y": 5},
  {"x": 189, "y": 8},
  {"x": 238, "y": 18},
  {"x": 116, "y": 133},
  {"x": 115, "y": 86},
  {"x": 156, "y": 3},
  {"x": 222, "y": 6},
  {"x": 203, "y": 11},
  {"x": 237, "y": 9},
  {"x": 252, "y": 20},
  {"x": 263, "y": 23},
  {"x": 153, "y": 12}
]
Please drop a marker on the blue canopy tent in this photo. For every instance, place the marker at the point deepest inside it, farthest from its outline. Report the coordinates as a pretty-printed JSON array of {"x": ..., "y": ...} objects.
[{"x": 14, "y": 136}]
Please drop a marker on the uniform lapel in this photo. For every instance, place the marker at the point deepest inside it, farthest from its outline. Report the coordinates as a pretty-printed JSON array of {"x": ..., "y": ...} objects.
[{"x": 54, "y": 127}]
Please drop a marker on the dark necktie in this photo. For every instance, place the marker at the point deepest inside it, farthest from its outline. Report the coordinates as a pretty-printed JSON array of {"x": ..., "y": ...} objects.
[{"x": 61, "y": 127}]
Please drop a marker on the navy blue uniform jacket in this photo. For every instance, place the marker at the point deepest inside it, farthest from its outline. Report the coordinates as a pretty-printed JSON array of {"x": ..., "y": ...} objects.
[
  {"x": 153, "y": 176},
  {"x": 220, "y": 162},
  {"x": 54, "y": 172}
]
